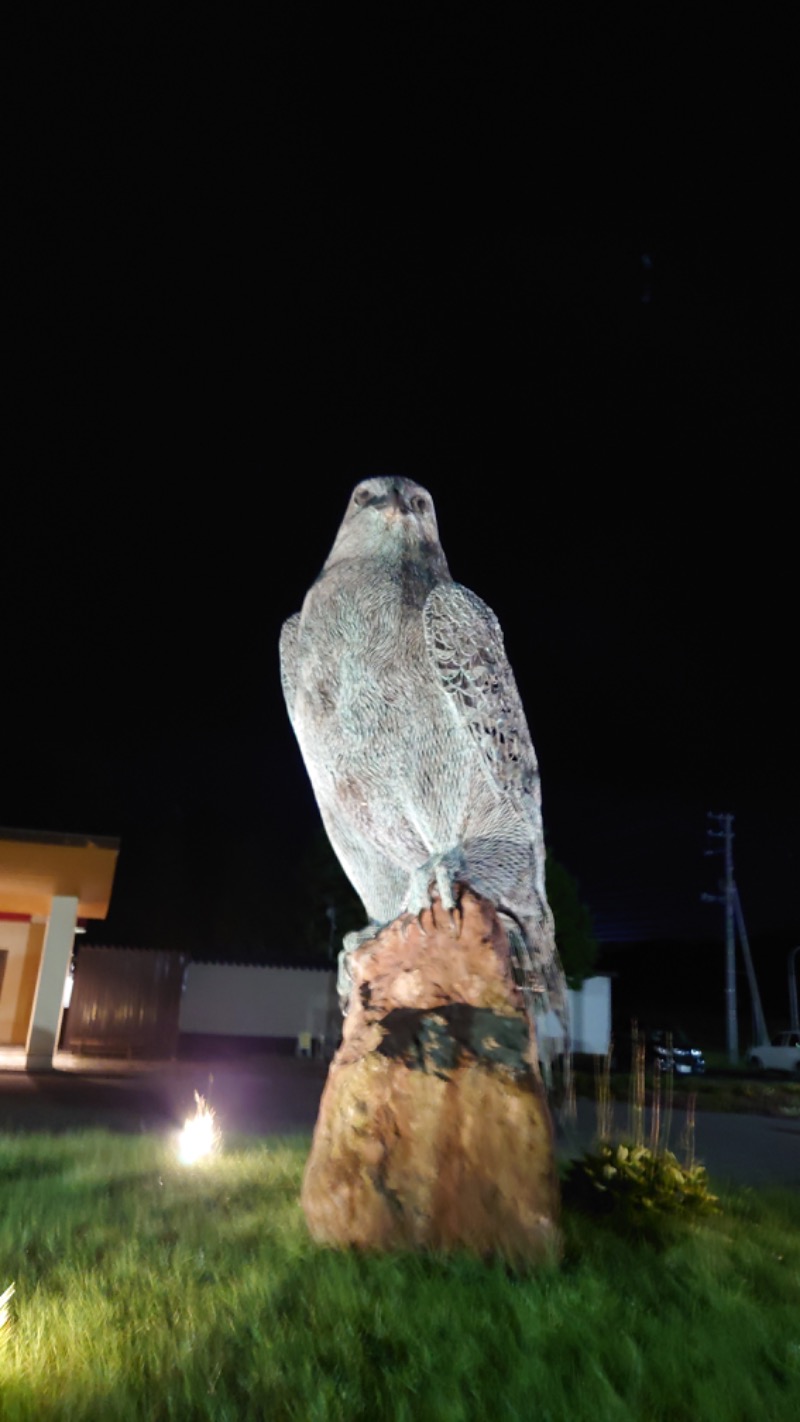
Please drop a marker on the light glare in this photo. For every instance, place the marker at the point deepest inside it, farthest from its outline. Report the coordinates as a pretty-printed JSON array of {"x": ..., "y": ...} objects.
[{"x": 200, "y": 1136}]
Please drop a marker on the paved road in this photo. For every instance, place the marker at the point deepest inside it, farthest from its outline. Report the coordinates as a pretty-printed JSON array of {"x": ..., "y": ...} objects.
[
  {"x": 736, "y": 1150},
  {"x": 273, "y": 1095},
  {"x": 280, "y": 1095}
]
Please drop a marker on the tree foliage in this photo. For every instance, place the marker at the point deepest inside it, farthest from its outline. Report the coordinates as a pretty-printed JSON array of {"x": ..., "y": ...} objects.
[
  {"x": 575, "y": 938},
  {"x": 330, "y": 906}
]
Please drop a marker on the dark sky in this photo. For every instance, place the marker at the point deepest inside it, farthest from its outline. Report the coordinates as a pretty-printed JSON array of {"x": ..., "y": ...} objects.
[{"x": 549, "y": 277}]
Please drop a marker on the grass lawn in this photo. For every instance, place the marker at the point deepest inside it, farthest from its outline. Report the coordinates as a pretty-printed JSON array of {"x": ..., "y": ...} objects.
[{"x": 148, "y": 1289}]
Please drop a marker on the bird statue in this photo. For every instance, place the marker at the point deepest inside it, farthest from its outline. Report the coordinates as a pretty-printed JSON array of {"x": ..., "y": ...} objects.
[{"x": 414, "y": 736}]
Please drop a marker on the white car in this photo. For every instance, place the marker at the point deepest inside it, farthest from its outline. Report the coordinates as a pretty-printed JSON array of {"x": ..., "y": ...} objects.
[{"x": 781, "y": 1054}]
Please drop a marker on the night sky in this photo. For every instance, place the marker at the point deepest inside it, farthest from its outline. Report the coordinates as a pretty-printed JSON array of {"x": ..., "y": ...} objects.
[{"x": 544, "y": 275}]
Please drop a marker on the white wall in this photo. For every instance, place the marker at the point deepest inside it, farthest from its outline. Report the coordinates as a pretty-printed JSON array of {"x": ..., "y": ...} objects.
[
  {"x": 589, "y": 1019},
  {"x": 243, "y": 1001},
  {"x": 590, "y": 1016},
  {"x": 48, "y": 1003},
  {"x": 227, "y": 999}
]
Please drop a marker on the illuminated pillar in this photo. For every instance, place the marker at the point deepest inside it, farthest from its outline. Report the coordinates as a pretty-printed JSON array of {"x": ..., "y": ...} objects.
[{"x": 47, "y": 1004}]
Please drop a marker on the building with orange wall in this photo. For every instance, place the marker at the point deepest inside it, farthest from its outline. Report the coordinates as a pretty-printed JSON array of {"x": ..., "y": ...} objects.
[{"x": 48, "y": 883}]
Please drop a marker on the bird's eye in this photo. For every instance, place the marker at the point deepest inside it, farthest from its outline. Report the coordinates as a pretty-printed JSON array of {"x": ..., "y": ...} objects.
[
  {"x": 419, "y": 504},
  {"x": 361, "y": 497}
]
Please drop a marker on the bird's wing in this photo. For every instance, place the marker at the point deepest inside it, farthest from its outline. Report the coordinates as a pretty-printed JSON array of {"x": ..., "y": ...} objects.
[
  {"x": 288, "y": 647},
  {"x": 465, "y": 645}
]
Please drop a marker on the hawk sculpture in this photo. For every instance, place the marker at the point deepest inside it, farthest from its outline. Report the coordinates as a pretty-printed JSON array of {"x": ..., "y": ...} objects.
[{"x": 414, "y": 736}]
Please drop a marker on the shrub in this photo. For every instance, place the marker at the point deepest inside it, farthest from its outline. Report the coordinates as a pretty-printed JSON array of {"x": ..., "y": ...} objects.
[{"x": 635, "y": 1184}]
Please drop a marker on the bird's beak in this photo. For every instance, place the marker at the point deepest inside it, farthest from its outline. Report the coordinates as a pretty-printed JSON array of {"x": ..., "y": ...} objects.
[{"x": 396, "y": 503}]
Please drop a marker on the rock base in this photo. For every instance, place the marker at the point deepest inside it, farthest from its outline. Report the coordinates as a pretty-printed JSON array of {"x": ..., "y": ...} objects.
[{"x": 433, "y": 1129}]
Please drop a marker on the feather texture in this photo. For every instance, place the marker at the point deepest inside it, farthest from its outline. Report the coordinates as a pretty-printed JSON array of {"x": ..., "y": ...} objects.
[{"x": 413, "y": 732}]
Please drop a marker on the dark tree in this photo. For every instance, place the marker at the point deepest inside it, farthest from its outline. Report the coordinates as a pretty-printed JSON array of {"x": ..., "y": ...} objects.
[
  {"x": 575, "y": 938},
  {"x": 329, "y": 905}
]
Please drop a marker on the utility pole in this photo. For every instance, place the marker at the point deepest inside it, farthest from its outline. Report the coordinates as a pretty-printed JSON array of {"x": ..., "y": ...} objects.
[
  {"x": 726, "y": 897},
  {"x": 759, "y": 1024}
]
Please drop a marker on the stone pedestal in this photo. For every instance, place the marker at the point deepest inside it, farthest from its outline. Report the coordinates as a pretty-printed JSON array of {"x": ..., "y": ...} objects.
[{"x": 433, "y": 1130}]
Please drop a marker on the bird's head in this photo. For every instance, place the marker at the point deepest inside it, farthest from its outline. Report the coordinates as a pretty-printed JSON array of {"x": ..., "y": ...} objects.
[{"x": 389, "y": 517}]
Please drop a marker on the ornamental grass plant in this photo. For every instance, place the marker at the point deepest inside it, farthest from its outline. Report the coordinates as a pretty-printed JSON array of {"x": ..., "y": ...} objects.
[{"x": 640, "y": 1185}]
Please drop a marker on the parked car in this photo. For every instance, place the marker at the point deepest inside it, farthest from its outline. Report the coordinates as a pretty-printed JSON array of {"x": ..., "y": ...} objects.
[
  {"x": 781, "y": 1054},
  {"x": 665, "y": 1049}
]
